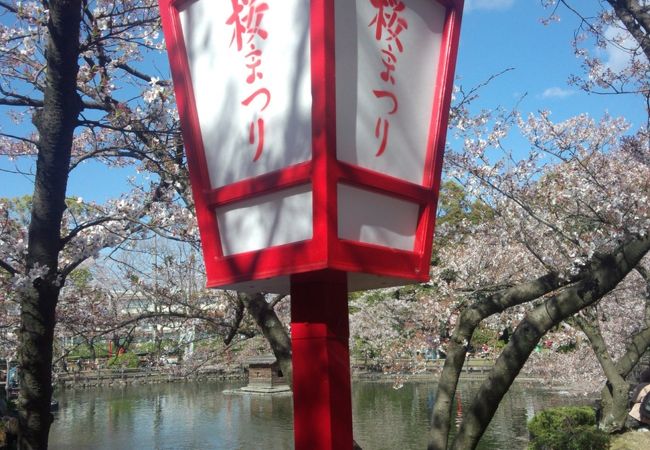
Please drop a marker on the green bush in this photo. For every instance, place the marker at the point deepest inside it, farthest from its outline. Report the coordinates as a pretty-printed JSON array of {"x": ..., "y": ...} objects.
[
  {"x": 83, "y": 351},
  {"x": 127, "y": 360},
  {"x": 567, "y": 348},
  {"x": 566, "y": 428},
  {"x": 483, "y": 336}
]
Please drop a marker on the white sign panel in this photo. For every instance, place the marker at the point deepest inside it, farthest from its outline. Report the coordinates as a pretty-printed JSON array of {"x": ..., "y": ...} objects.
[
  {"x": 387, "y": 57},
  {"x": 250, "y": 68},
  {"x": 266, "y": 221},
  {"x": 363, "y": 218}
]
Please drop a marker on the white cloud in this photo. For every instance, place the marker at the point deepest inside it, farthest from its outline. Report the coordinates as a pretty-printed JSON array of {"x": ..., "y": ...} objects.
[
  {"x": 475, "y": 5},
  {"x": 557, "y": 92},
  {"x": 619, "y": 54}
]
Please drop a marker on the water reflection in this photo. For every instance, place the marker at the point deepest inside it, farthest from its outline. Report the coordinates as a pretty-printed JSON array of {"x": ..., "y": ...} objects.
[
  {"x": 385, "y": 418},
  {"x": 200, "y": 416}
]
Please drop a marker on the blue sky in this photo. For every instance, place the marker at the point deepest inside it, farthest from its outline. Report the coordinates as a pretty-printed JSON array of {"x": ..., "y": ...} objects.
[
  {"x": 496, "y": 35},
  {"x": 501, "y": 34}
]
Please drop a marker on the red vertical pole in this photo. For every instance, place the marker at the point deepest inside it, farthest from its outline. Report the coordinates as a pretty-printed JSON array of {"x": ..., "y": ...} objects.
[{"x": 322, "y": 405}]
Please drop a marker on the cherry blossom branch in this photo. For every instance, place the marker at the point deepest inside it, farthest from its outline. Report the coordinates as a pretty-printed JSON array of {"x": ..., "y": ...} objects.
[
  {"x": 523, "y": 206},
  {"x": 636, "y": 20},
  {"x": 97, "y": 124},
  {"x": 213, "y": 354},
  {"x": 8, "y": 268},
  {"x": 240, "y": 308},
  {"x": 536, "y": 255},
  {"x": 472, "y": 94},
  {"x": 8, "y": 7},
  {"x": 18, "y": 138},
  {"x": 111, "y": 152},
  {"x": 469, "y": 319},
  {"x": 584, "y": 20},
  {"x": 91, "y": 223},
  {"x": 15, "y": 99},
  {"x": 166, "y": 314},
  {"x": 141, "y": 75}
]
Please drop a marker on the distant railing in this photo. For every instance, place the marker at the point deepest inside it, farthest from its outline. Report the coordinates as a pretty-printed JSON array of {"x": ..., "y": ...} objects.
[
  {"x": 478, "y": 366},
  {"x": 135, "y": 375}
]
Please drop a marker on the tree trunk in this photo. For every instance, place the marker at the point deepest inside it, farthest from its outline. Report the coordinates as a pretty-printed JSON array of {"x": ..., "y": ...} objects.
[
  {"x": 635, "y": 349},
  {"x": 91, "y": 347},
  {"x": 635, "y": 16},
  {"x": 55, "y": 122},
  {"x": 604, "y": 274},
  {"x": 35, "y": 361},
  {"x": 443, "y": 409},
  {"x": 273, "y": 330},
  {"x": 614, "y": 396},
  {"x": 645, "y": 274},
  {"x": 615, "y": 393},
  {"x": 470, "y": 318}
]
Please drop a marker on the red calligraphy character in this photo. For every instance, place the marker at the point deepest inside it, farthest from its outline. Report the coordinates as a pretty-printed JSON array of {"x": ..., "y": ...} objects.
[
  {"x": 384, "y": 124},
  {"x": 247, "y": 18},
  {"x": 255, "y": 60},
  {"x": 261, "y": 91},
  {"x": 395, "y": 25},
  {"x": 257, "y": 125},
  {"x": 389, "y": 60},
  {"x": 379, "y": 19},
  {"x": 235, "y": 20},
  {"x": 389, "y": 95},
  {"x": 384, "y": 136},
  {"x": 254, "y": 53},
  {"x": 253, "y": 19},
  {"x": 260, "y": 135},
  {"x": 388, "y": 19}
]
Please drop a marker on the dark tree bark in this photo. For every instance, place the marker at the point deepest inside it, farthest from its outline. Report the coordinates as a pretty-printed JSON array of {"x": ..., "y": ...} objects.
[
  {"x": 645, "y": 274},
  {"x": 240, "y": 308},
  {"x": 273, "y": 330},
  {"x": 615, "y": 393},
  {"x": 55, "y": 123},
  {"x": 604, "y": 273},
  {"x": 636, "y": 19},
  {"x": 470, "y": 318}
]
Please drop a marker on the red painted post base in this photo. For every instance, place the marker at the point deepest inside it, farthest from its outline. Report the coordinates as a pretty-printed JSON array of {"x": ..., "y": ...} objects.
[{"x": 322, "y": 405}]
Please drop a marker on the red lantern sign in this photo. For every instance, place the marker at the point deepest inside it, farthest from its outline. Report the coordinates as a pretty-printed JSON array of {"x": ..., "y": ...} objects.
[{"x": 314, "y": 132}]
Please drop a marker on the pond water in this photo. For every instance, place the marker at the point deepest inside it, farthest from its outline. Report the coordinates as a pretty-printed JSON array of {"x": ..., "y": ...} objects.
[{"x": 200, "y": 416}]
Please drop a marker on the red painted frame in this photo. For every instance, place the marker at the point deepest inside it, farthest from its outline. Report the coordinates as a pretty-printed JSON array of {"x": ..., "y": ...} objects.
[{"x": 325, "y": 250}]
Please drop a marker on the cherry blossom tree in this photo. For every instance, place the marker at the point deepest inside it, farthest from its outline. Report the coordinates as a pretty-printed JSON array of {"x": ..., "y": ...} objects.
[
  {"x": 72, "y": 68},
  {"x": 571, "y": 223},
  {"x": 125, "y": 115},
  {"x": 122, "y": 113},
  {"x": 170, "y": 281},
  {"x": 571, "y": 215},
  {"x": 614, "y": 49},
  {"x": 480, "y": 274}
]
